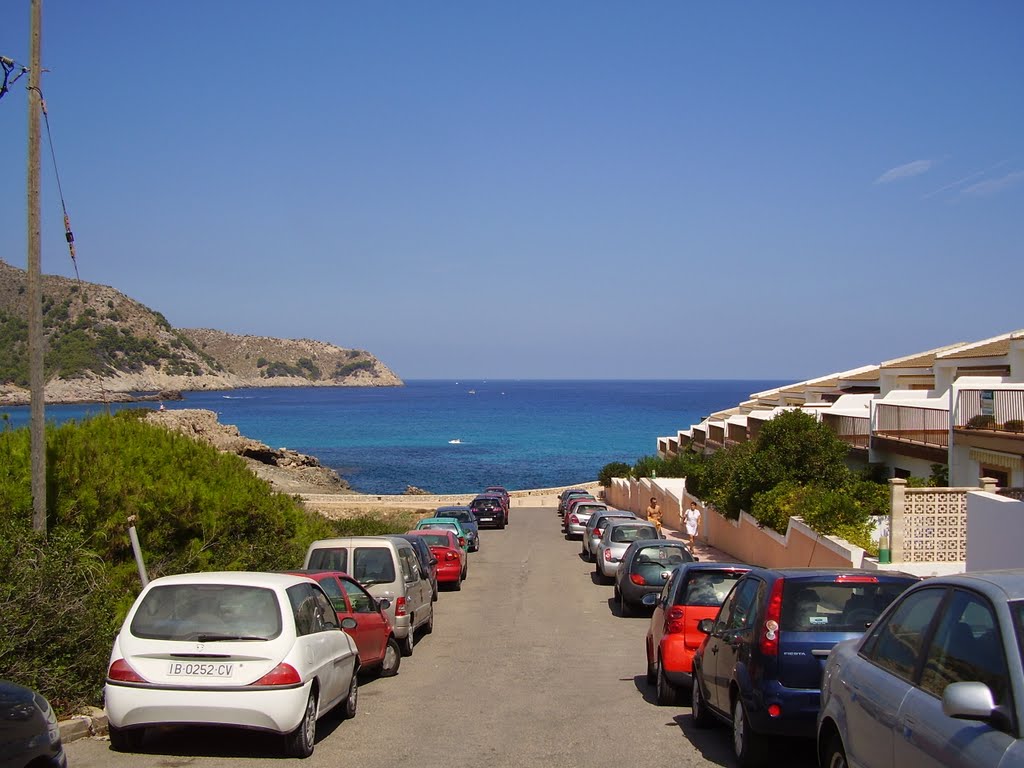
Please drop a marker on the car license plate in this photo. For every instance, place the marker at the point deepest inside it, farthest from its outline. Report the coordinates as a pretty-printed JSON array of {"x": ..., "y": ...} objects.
[
  {"x": 486, "y": 519},
  {"x": 200, "y": 669}
]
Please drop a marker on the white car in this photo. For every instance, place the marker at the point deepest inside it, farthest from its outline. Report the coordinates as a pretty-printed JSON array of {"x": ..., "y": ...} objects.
[{"x": 251, "y": 650}]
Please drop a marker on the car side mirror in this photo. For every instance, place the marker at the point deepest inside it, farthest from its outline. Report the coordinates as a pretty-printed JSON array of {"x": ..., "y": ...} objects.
[
  {"x": 696, "y": 559},
  {"x": 383, "y": 604},
  {"x": 974, "y": 701},
  {"x": 433, "y": 561},
  {"x": 349, "y": 623},
  {"x": 650, "y": 599},
  {"x": 706, "y": 626}
]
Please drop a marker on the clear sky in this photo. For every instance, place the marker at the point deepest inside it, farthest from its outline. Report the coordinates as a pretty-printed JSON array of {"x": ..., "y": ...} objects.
[{"x": 541, "y": 189}]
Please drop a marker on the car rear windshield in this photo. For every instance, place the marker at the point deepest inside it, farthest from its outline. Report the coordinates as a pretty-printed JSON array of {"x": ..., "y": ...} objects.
[
  {"x": 329, "y": 559},
  {"x": 207, "y": 612},
  {"x": 629, "y": 533},
  {"x": 836, "y": 606},
  {"x": 435, "y": 540},
  {"x": 485, "y": 504},
  {"x": 707, "y": 588},
  {"x": 463, "y": 516},
  {"x": 373, "y": 565},
  {"x": 654, "y": 560},
  {"x": 589, "y": 508}
]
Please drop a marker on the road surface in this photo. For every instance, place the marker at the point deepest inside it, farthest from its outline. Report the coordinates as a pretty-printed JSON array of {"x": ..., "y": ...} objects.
[{"x": 527, "y": 666}]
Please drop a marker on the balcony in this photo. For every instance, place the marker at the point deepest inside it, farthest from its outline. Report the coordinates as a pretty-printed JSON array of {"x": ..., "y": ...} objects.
[
  {"x": 855, "y": 431},
  {"x": 910, "y": 424},
  {"x": 1005, "y": 415}
]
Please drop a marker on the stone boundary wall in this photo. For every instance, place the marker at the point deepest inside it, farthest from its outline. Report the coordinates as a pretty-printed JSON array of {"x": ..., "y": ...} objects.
[
  {"x": 742, "y": 539},
  {"x": 332, "y": 502}
]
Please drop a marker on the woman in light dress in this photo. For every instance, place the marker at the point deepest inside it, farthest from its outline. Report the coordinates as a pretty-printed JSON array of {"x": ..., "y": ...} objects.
[{"x": 691, "y": 520}]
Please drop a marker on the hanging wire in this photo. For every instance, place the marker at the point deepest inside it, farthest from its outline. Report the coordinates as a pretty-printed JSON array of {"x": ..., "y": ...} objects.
[{"x": 68, "y": 234}]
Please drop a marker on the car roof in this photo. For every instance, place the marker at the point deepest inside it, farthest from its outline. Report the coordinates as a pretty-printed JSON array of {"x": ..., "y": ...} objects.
[
  {"x": 438, "y": 520},
  {"x": 813, "y": 573},
  {"x": 452, "y": 509},
  {"x": 432, "y": 532},
  {"x": 500, "y": 488},
  {"x": 615, "y": 523},
  {"x": 1009, "y": 582},
  {"x": 314, "y": 572},
  {"x": 238, "y": 578},
  {"x": 343, "y": 541}
]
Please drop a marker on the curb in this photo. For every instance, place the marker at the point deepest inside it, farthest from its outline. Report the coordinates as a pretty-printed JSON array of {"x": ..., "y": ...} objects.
[{"x": 92, "y": 723}]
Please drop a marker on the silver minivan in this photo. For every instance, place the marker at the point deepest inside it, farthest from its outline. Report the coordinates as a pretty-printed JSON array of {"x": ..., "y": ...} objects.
[{"x": 388, "y": 567}]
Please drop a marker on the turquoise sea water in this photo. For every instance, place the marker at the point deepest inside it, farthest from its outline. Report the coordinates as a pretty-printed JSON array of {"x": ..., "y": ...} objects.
[{"x": 520, "y": 434}]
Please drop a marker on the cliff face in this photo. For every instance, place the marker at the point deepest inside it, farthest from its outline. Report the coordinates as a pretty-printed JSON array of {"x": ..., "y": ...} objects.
[{"x": 103, "y": 346}]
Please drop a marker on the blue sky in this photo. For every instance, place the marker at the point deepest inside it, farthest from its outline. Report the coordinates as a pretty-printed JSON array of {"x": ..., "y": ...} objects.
[{"x": 541, "y": 189}]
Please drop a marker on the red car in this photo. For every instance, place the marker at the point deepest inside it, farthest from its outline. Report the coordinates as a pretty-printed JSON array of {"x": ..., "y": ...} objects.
[
  {"x": 693, "y": 592},
  {"x": 373, "y": 635},
  {"x": 444, "y": 545}
]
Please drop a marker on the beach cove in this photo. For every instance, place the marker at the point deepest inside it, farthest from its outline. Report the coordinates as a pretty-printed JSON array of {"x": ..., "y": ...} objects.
[{"x": 520, "y": 434}]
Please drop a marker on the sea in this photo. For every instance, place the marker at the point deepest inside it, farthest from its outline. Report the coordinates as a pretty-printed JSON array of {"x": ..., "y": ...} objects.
[{"x": 458, "y": 436}]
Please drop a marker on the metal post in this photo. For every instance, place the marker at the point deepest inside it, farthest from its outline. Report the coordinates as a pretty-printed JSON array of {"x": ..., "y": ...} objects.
[
  {"x": 137, "y": 549},
  {"x": 35, "y": 292}
]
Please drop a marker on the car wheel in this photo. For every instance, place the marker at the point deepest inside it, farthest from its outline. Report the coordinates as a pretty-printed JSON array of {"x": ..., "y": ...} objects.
[
  {"x": 433, "y": 586},
  {"x": 835, "y": 755},
  {"x": 666, "y": 693},
  {"x": 584, "y": 554},
  {"x": 698, "y": 707},
  {"x": 652, "y": 670},
  {"x": 392, "y": 659},
  {"x": 407, "y": 645},
  {"x": 624, "y": 607},
  {"x": 746, "y": 744},
  {"x": 352, "y": 700},
  {"x": 465, "y": 572},
  {"x": 126, "y": 740},
  {"x": 458, "y": 584},
  {"x": 300, "y": 741},
  {"x": 429, "y": 626}
]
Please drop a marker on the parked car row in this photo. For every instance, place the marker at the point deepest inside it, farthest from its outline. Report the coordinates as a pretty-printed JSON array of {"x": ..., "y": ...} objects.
[
  {"x": 278, "y": 651},
  {"x": 879, "y": 668}
]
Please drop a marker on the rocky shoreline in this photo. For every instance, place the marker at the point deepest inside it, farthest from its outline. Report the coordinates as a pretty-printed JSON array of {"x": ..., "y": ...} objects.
[{"x": 286, "y": 471}]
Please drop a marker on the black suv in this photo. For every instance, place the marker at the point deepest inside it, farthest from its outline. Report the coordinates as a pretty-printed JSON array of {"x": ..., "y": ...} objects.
[{"x": 488, "y": 511}]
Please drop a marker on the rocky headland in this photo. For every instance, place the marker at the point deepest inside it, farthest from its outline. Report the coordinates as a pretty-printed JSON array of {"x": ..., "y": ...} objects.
[{"x": 102, "y": 346}]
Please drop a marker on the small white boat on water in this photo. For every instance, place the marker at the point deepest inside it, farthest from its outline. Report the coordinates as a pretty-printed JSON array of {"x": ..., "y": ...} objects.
[{"x": 456, "y": 441}]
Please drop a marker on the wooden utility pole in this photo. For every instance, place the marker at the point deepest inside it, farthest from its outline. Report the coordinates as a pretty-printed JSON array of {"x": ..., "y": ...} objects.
[{"x": 35, "y": 279}]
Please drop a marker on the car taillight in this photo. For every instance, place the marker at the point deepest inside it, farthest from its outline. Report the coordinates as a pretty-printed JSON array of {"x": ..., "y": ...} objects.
[
  {"x": 675, "y": 621},
  {"x": 573, "y": 520},
  {"x": 637, "y": 579},
  {"x": 597, "y": 533},
  {"x": 121, "y": 670},
  {"x": 462, "y": 541},
  {"x": 770, "y": 630},
  {"x": 400, "y": 607},
  {"x": 282, "y": 674},
  {"x": 607, "y": 555},
  {"x": 849, "y": 578},
  {"x": 449, "y": 555}
]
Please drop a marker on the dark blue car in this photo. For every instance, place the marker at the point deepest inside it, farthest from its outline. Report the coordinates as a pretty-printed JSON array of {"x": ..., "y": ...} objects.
[
  {"x": 465, "y": 516},
  {"x": 759, "y": 668}
]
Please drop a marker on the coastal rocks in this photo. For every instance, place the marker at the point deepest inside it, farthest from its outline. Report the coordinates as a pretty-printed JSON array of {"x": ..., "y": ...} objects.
[
  {"x": 286, "y": 470},
  {"x": 412, "y": 490}
]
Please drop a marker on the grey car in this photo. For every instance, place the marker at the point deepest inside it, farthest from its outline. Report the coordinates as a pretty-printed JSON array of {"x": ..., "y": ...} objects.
[
  {"x": 936, "y": 681},
  {"x": 577, "y": 513},
  {"x": 595, "y": 529},
  {"x": 618, "y": 535},
  {"x": 645, "y": 568}
]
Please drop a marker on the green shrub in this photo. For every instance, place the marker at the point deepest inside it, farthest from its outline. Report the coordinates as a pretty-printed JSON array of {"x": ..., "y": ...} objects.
[
  {"x": 611, "y": 470},
  {"x": 981, "y": 422},
  {"x": 1014, "y": 425},
  {"x": 195, "y": 509}
]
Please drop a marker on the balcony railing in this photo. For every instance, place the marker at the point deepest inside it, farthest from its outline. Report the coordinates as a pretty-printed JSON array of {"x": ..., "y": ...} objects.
[
  {"x": 1007, "y": 411},
  {"x": 852, "y": 430},
  {"x": 911, "y": 424}
]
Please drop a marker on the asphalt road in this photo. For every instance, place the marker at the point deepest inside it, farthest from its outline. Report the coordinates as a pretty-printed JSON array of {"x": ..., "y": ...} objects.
[{"x": 528, "y": 666}]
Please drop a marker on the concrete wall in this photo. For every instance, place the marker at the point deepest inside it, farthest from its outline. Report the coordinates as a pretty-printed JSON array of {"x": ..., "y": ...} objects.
[
  {"x": 995, "y": 530},
  {"x": 742, "y": 539}
]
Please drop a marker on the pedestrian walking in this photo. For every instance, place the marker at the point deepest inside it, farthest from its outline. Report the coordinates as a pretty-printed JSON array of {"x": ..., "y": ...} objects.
[
  {"x": 654, "y": 514},
  {"x": 691, "y": 520}
]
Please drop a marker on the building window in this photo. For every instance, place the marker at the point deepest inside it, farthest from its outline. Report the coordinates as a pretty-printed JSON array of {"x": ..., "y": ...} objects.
[{"x": 1001, "y": 476}]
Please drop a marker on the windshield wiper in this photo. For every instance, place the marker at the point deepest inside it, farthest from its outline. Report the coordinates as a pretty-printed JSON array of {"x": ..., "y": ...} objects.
[{"x": 209, "y": 637}]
